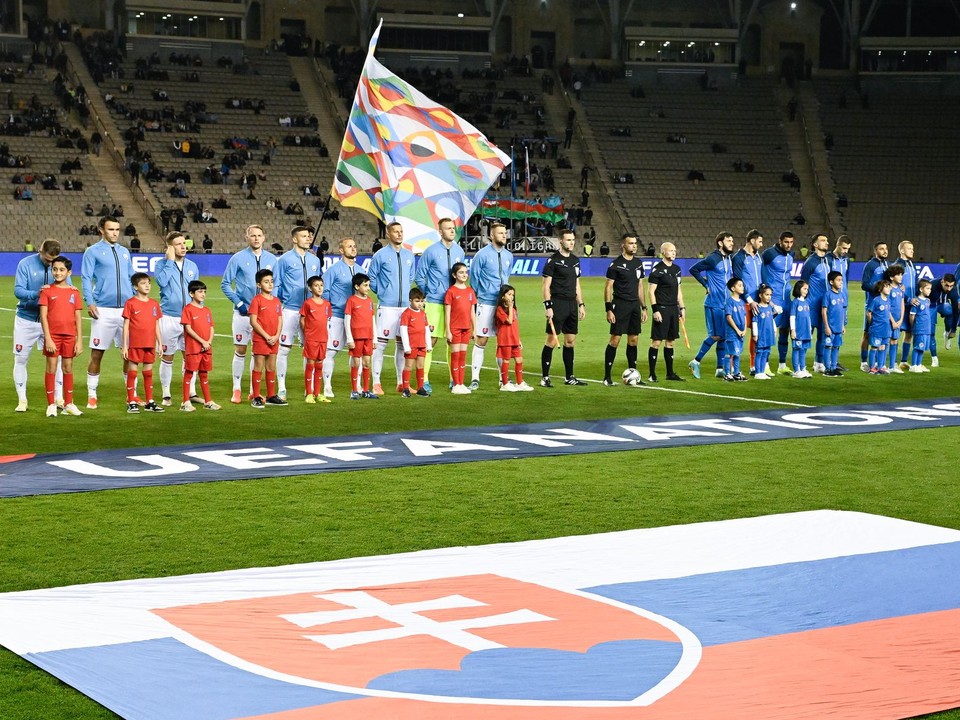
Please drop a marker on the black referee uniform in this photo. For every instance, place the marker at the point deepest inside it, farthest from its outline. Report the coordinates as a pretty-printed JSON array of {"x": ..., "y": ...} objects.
[
  {"x": 564, "y": 273},
  {"x": 626, "y": 306},
  {"x": 666, "y": 278}
]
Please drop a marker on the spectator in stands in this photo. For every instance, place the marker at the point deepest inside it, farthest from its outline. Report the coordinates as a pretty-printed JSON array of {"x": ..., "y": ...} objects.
[
  {"x": 130, "y": 230},
  {"x": 134, "y": 244},
  {"x": 604, "y": 249},
  {"x": 104, "y": 210},
  {"x": 587, "y": 247},
  {"x": 651, "y": 250},
  {"x": 377, "y": 245},
  {"x": 207, "y": 244},
  {"x": 696, "y": 177}
]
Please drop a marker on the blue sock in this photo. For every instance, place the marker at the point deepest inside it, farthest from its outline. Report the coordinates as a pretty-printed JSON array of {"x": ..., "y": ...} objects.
[
  {"x": 863, "y": 356},
  {"x": 834, "y": 358},
  {"x": 707, "y": 344},
  {"x": 796, "y": 360},
  {"x": 933, "y": 343},
  {"x": 819, "y": 349},
  {"x": 917, "y": 357},
  {"x": 891, "y": 356},
  {"x": 872, "y": 358},
  {"x": 783, "y": 342},
  {"x": 736, "y": 364},
  {"x": 721, "y": 353},
  {"x": 803, "y": 358},
  {"x": 904, "y": 351}
]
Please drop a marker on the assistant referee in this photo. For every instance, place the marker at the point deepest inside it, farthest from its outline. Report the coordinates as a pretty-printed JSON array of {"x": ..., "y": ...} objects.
[{"x": 563, "y": 307}]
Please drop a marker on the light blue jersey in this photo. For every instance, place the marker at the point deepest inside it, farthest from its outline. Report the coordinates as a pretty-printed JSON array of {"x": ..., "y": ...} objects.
[
  {"x": 489, "y": 271},
  {"x": 291, "y": 275},
  {"x": 173, "y": 279},
  {"x": 32, "y": 274},
  {"x": 801, "y": 321},
  {"x": 338, "y": 285},
  {"x": 433, "y": 269},
  {"x": 391, "y": 276},
  {"x": 105, "y": 272},
  {"x": 764, "y": 328},
  {"x": 240, "y": 278}
]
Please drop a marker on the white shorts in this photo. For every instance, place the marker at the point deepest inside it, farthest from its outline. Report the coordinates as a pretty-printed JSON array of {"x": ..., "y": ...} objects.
[
  {"x": 336, "y": 336},
  {"x": 171, "y": 334},
  {"x": 290, "y": 332},
  {"x": 485, "y": 321},
  {"x": 26, "y": 335},
  {"x": 388, "y": 323},
  {"x": 242, "y": 331},
  {"x": 106, "y": 329}
]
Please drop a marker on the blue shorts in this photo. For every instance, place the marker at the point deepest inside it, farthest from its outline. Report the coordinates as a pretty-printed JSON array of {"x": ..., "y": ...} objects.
[
  {"x": 894, "y": 333},
  {"x": 921, "y": 342},
  {"x": 716, "y": 321},
  {"x": 835, "y": 340},
  {"x": 876, "y": 342},
  {"x": 734, "y": 346},
  {"x": 800, "y": 344}
]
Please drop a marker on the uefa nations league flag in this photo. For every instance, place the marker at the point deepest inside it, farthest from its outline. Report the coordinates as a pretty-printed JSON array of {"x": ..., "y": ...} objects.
[
  {"x": 405, "y": 158},
  {"x": 808, "y": 615}
]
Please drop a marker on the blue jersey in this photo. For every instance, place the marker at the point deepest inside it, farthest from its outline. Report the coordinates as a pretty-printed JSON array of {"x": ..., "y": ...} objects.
[
  {"x": 842, "y": 266},
  {"x": 748, "y": 268},
  {"x": 777, "y": 268},
  {"x": 433, "y": 269},
  {"x": 764, "y": 328},
  {"x": 896, "y": 304},
  {"x": 391, "y": 275},
  {"x": 735, "y": 310},
  {"x": 922, "y": 321},
  {"x": 338, "y": 285},
  {"x": 942, "y": 303},
  {"x": 910, "y": 278},
  {"x": 836, "y": 305},
  {"x": 105, "y": 271},
  {"x": 872, "y": 272},
  {"x": 713, "y": 272},
  {"x": 32, "y": 274},
  {"x": 291, "y": 275},
  {"x": 879, "y": 310},
  {"x": 240, "y": 278},
  {"x": 172, "y": 279},
  {"x": 489, "y": 271},
  {"x": 801, "y": 321},
  {"x": 815, "y": 271}
]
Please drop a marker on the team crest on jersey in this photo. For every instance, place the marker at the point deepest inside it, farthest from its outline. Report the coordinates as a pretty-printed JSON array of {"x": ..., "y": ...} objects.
[
  {"x": 386, "y": 332},
  {"x": 73, "y": 300},
  {"x": 336, "y": 343},
  {"x": 386, "y": 637},
  {"x": 238, "y": 337},
  {"x": 283, "y": 338},
  {"x": 486, "y": 330}
]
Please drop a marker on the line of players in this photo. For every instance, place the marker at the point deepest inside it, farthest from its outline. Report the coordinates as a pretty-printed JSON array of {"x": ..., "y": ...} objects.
[
  {"x": 393, "y": 271},
  {"x": 779, "y": 312}
]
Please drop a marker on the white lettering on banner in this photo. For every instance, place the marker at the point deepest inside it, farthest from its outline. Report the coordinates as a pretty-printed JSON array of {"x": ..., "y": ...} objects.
[
  {"x": 433, "y": 448},
  {"x": 718, "y": 424},
  {"x": 915, "y": 413},
  {"x": 163, "y": 465},
  {"x": 660, "y": 432},
  {"x": 776, "y": 423},
  {"x": 565, "y": 433},
  {"x": 949, "y": 407},
  {"x": 145, "y": 263},
  {"x": 264, "y": 458},
  {"x": 829, "y": 418},
  {"x": 341, "y": 451},
  {"x": 408, "y": 621},
  {"x": 525, "y": 266}
]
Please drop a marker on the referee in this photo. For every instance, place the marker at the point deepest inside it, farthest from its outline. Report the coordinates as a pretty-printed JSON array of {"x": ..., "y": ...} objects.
[
  {"x": 623, "y": 299},
  {"x": 666, "y": 298},
  {"x": 563, "y": 307}
]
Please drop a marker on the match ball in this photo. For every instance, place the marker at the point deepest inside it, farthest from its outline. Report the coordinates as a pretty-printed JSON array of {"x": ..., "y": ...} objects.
[{"x": 631, "y": 377}]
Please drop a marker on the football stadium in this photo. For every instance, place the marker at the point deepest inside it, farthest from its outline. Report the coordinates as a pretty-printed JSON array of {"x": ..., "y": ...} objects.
[{"x": 216, "y": 475}]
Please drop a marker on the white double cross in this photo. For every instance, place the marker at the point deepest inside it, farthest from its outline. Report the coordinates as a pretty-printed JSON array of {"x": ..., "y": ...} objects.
[{"x": 408, "y": 621}]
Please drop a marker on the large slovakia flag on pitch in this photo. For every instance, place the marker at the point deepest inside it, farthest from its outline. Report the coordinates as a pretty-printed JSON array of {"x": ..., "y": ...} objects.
[{"x": 808, "y": 615}]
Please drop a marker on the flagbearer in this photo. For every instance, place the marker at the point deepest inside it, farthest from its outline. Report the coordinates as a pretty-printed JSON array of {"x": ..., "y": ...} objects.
[
  {"x": 433, "y": 277},
  {"x": 391, "y": 273}
]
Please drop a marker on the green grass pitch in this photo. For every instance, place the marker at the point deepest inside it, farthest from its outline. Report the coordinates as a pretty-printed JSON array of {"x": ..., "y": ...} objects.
[{"x": 49, "y": 541}]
